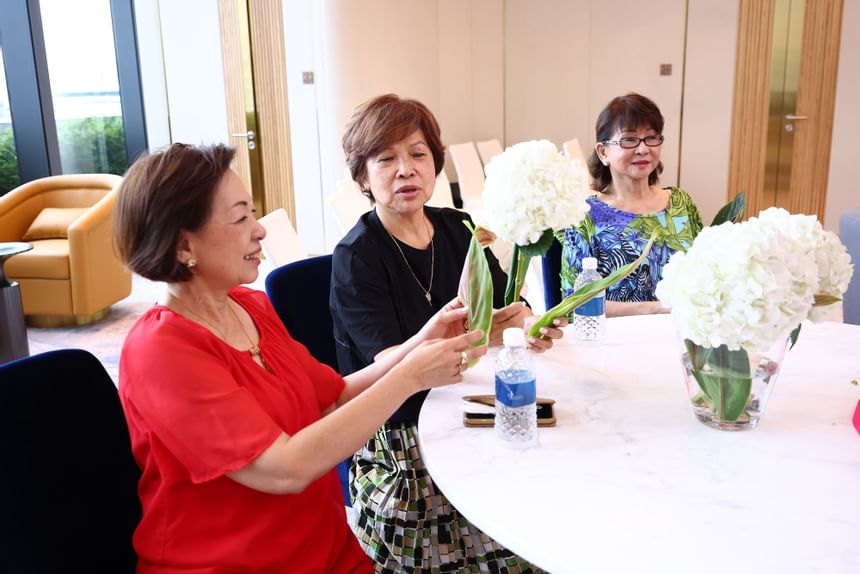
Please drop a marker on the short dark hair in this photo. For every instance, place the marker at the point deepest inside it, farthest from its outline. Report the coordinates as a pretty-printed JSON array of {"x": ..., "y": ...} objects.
[
  {"x": 382, "y": 122},
  {"x": 628, "y": 112},
  {"x": 163, "y": 193}
]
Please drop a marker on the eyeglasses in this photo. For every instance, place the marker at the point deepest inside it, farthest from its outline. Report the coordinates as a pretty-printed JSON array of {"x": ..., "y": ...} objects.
[{"x": 631, "y": 142}]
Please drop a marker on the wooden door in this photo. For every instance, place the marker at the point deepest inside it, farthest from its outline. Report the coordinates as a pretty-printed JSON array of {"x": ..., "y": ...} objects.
[
  {"x": 780, "y": 149},
  {"x": 255, "y": 75}
]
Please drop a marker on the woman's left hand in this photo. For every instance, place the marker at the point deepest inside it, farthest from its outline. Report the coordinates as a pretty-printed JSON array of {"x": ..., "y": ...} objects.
[{"x": 547, "y": 334}]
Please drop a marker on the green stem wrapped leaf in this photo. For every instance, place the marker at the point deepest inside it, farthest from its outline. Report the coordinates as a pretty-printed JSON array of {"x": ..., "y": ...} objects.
[
  {"x": 588, "y": 292},
  {"x": 476, "y": 289},
  {"x": 723, "y": 376},
  {"x": 520, "y": 257},
  {"x": 516, "y": 274}
]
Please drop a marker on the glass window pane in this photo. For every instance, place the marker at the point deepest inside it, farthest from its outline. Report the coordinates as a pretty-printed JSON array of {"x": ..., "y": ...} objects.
[
  {"x": 9, "y": 177},
  {"x": 84, "y": 85}
]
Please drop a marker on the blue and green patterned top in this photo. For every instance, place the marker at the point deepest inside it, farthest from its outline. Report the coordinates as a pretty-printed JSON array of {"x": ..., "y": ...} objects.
[{"x": 617, "y": 237}]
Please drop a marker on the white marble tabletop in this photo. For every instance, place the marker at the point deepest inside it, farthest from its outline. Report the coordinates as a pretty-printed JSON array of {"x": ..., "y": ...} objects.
[{"x": 630, "y": 481}]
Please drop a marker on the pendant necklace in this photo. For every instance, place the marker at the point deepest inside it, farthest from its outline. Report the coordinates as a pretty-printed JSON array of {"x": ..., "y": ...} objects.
[
  {"x": 254, "y": 350},
  {"x": 432, "y": 261}
]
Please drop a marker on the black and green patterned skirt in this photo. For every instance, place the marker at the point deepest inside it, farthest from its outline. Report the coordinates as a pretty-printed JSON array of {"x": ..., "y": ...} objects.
[{"x": 405, "y": 524}]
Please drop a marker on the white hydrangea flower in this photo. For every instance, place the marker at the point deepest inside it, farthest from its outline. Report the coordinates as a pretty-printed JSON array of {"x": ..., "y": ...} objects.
[
  {"x": 530, "y": 188},
  {"x": 749, "y": 284},
  {"x": 831, "y": 257}
]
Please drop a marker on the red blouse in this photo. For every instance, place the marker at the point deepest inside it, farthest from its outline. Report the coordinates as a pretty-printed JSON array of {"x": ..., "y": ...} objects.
[{"x": 197, "y": 409}]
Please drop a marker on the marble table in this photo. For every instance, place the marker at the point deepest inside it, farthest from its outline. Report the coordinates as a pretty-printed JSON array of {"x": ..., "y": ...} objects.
[{"x": 630, "y": 481}]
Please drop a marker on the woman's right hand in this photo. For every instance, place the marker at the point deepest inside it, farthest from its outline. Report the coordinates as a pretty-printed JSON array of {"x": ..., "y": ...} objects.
[{"x": 440, "y": 362}]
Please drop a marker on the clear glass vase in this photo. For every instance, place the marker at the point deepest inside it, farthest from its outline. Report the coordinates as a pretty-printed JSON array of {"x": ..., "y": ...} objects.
[{"x": 729, "y": 390}]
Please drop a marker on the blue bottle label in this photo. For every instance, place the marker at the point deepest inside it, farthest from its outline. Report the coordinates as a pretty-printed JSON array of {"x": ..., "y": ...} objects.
[
  {"x": 593, "y": 308},
  {"x": 516, "y": 394}
]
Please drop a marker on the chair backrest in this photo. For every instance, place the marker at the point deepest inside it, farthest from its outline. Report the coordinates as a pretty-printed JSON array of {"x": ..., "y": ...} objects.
[
  {"x": 281, "y": 244},
  {"x": 299, "y": 292},
  {"x": 470, "y": 172},
  {"x": 573, "y": 150},
  {"x": 551, "y": 271},
  {"x": 849, "y": 234},
  {"x": 348, "y": 204},
  {"x": 68, "y": 489},
  {"x": 488, "y": 150},
  {"x": 442, "y": 196}
]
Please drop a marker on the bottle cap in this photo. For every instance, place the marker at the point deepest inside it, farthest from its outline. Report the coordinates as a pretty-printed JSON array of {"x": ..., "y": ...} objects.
[
  {"x": 589, "y": 263},
  {"x": 513, "y": 337}
]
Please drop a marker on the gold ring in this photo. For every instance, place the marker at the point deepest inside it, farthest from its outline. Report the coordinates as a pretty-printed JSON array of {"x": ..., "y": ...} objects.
[{"x": 464, "y": 361}]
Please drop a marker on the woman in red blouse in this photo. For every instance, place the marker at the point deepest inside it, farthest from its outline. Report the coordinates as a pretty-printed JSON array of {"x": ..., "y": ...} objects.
[{"x": 236, "y": 427}]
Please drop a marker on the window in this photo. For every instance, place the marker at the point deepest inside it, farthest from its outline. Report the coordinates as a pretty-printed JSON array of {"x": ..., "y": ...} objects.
[
  {"x": 8, "y": 155},
  {"x": 74, "y": 100}
]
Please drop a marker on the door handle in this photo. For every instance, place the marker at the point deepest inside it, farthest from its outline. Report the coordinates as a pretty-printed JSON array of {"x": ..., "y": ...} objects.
[
  {"x": 249, "y": 134},
  {"x": 792, "y": 117}
]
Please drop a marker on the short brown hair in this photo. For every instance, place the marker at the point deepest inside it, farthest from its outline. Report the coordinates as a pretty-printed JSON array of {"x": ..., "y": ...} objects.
[
  {"x": 628, "y": 112},
  {"x": 382, "y": 122},
  {"x": 163, "y": 193}
]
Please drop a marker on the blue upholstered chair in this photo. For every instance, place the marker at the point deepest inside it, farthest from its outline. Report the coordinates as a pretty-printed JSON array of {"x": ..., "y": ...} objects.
[
  {"x": 849, "y": 233},
  {"x": 551, "y": 266},
  {"x": 299, "y": 292},
  {"x": 68, "y": 488}
]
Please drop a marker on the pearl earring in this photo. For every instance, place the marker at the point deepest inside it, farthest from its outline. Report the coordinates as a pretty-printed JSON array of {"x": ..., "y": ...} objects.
[{"x": 192, "y": 263}]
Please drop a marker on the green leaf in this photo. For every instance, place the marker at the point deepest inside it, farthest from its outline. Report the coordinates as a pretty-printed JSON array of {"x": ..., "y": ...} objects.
[
  {"x": 539, "y": 247},
  {"x": 589, "y": 291},
  {"x": 723, "y": 376},
  {"x": 732, "y": 211},
  {"x": 479, "y": 290},
  {"x": 793, "y": 337},
  {"x": 516, "y": 274}
]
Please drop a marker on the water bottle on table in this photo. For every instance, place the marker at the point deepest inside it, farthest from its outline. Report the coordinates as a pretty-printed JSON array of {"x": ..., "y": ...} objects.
[
  {"x": 589, "y": 319},
  {"x": 516, "y": 393}
]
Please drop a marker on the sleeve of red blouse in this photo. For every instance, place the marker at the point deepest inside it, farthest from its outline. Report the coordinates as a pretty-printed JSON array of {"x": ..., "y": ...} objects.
[{"x": 182, "y": 390}]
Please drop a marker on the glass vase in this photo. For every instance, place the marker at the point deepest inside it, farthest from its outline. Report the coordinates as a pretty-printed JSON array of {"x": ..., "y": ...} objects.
[{"x": 729, "y": 390}]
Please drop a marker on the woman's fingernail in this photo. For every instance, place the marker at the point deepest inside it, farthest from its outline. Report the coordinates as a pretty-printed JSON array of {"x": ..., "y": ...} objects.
[{"x": 543, "y": 331}]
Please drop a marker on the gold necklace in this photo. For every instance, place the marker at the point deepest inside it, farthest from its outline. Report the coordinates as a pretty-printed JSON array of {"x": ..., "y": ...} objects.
[
  {"x": 432, "y": 261},
  {"x": 254, "y": 350}
]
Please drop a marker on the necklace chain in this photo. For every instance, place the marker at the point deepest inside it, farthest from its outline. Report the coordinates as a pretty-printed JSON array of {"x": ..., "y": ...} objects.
[
  {"x": 432, "y": 261},
  {"x": 254, "y": 350}
]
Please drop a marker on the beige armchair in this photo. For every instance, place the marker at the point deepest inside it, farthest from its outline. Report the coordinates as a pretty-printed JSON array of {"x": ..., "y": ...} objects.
[{"x": 72, "y": 275}]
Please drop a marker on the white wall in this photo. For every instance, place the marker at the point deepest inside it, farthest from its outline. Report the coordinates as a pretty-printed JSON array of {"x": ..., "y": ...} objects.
[
  {"x": 565, "y": 60},
  {"x": 547, "y": 71},
  {"x": 843, "y": 190},
  {"x": 508, "y": 69},
  {"x": 301, "y": 55},
  {"x": 194, "y": 71},
  {"x": 708, "y": 95},
  {"x": 153, "y": 84}
]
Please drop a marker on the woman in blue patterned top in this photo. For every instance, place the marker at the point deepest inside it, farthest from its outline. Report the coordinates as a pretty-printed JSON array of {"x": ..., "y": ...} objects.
[{"x": 625, "y": 167}]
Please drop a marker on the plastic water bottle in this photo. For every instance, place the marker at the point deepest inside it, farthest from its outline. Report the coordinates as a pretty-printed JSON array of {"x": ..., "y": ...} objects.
[
  {"x": 516, "y": 394},
  {"x": 589, "y": 319}
]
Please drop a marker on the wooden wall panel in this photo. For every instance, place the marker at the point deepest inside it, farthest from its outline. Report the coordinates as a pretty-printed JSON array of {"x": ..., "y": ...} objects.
[
  {"x": 231, "y": 51},
  {"x": 751, "y": 100},
  {"x": 270, "y": 84}
]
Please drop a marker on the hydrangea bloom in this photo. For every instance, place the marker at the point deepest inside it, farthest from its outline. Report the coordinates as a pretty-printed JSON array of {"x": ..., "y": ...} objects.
[
  {"x": 746, "y": 285},
  {"x": 530, "y": 188}
]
